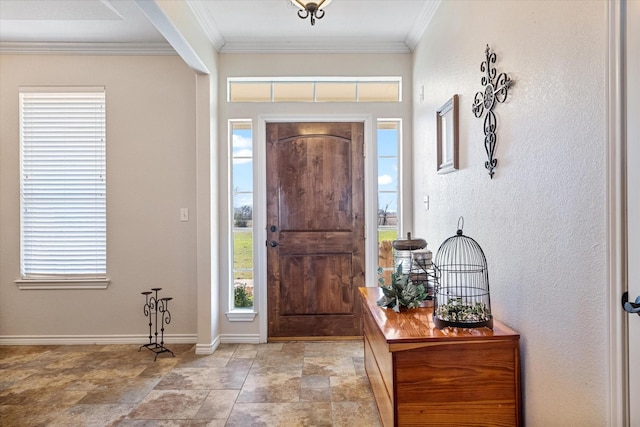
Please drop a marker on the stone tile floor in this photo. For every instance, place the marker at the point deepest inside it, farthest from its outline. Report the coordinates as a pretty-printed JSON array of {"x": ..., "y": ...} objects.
[{"x": 300, "y": 383}]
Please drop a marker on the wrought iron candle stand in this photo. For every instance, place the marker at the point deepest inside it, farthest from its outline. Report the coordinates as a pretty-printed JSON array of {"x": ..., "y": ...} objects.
[{"x": 152, "y": 307}]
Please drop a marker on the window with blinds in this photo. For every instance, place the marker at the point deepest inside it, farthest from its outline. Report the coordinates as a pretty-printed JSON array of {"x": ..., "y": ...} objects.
[{"x": 62, "y": 184}]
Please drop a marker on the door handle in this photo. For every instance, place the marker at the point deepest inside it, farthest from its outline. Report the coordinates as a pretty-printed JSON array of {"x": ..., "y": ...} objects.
[
  {"x": 630, "y": 307},
  {"x": 273, "y": 243}
]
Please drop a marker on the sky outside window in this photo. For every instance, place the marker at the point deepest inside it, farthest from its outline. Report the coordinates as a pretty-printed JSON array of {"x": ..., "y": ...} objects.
[
  {"x": 388, "y": 169},
  {"x": 242, "y": 147}
]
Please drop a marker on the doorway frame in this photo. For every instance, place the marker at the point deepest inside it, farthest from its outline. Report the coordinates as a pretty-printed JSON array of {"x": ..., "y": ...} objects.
[
  {"x": 260, "y": 199},
  {"x": 616, "y": 217}
]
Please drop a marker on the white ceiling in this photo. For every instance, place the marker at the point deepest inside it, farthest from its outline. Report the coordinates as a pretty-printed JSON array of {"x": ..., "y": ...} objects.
[{"x": 231, "y": 25}]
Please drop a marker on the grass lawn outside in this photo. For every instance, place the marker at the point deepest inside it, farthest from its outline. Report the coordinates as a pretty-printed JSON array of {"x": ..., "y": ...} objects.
[
  {"x": 243, "y": 262},
  {"x": 242, "y": 253},
  {"x": 243, "y": 249},
  {"x": 387, "y": 235}
]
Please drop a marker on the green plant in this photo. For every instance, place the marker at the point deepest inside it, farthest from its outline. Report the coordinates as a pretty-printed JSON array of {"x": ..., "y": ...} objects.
[
  {"x": 241, "y": 297},
  {"x": 401, "y": 292},
  {"x": 455, "y": 311}
]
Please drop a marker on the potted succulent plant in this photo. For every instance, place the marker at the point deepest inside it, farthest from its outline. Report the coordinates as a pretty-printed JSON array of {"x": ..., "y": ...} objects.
[
  {"x": 401, "y": 292},
  {"x": 456, "y": 313}
]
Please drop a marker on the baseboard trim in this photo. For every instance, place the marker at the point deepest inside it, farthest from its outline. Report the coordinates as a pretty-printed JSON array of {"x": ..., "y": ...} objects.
[
  {"x": 240, "y": 338},
  {"x": 129, "y": 339},
  {"x": 92, "y": 339},
  {"x": 208, "y": 348}
]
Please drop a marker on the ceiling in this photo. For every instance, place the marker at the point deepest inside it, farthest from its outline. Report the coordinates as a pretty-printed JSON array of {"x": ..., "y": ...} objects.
[{"x": 231, "y": 25}]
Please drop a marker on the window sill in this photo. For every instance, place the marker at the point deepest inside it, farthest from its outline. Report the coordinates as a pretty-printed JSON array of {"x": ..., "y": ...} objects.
[
  {"x": 39, "y": 284},
  {"x": 241, "y": 315}
]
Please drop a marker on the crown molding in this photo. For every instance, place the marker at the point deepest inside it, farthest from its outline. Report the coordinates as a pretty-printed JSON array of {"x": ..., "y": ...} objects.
[
  {"x": 343, "y": 46},
  {"x": 207, "y": 22},
  {"x": 31, "y": 48},
  {"x": 421, "y": 23}
]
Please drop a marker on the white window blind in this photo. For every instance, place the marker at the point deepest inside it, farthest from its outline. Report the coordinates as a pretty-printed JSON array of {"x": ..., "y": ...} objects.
[{"x": 63, "y": 186}]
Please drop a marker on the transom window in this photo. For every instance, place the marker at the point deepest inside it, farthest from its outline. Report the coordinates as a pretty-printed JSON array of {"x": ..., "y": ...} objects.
[{"x": 314, "y": 89}]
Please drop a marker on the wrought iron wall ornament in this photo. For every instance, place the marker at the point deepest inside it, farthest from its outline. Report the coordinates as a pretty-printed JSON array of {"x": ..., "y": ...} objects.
[{"x": 495, "y": 90}]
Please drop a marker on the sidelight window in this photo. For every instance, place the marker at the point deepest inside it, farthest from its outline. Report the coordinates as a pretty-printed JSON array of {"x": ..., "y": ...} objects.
[
  {"x": 241, "y": 142},
  {"x": 388, "y": 148}
]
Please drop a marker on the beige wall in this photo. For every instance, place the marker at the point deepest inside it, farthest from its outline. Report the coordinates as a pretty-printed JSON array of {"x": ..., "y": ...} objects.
[
  {"x": 541, "y": 220},
  {"x": 151, "y": 174}
]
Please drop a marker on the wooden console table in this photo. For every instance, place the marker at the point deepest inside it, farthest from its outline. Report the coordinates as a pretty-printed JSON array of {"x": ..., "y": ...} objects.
[{"x": 423, "y": 376}]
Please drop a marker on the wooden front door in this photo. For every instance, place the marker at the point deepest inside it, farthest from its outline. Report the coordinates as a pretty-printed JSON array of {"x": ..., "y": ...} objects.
[{"x": 315, "y": 228}]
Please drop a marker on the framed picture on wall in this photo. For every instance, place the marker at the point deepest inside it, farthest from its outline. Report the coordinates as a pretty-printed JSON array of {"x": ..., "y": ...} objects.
[{"x": 447, "y": 136}]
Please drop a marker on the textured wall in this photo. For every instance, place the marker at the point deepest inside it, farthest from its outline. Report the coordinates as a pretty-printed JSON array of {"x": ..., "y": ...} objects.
[
  {"x": 150, "y": 176},
  {"x": 541, "y": 220}
]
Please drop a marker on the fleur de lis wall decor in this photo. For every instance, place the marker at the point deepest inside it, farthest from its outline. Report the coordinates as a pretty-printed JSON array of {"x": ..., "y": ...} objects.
[{"x": 495, "y": 90}]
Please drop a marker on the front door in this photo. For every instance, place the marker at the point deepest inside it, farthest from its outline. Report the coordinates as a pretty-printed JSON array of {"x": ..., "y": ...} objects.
[{"x": 315, "y": 229}]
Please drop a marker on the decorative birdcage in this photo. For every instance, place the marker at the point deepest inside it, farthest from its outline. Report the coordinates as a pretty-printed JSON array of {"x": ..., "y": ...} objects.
[
  {"x": 462, "y": 289},
  {"x": 416, "y": 261}
]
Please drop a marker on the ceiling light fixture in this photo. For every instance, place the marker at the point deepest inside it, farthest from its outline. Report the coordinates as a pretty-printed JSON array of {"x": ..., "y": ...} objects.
[{"x": 313, "y": 9}]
